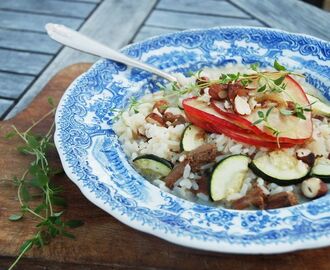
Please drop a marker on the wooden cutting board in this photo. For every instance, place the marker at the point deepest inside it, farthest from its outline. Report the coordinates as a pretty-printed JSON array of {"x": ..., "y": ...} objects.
[{"x": 103, "y": 242}]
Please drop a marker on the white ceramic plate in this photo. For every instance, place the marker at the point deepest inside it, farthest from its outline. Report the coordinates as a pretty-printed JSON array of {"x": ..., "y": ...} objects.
[{"x": 94, "y": 160}]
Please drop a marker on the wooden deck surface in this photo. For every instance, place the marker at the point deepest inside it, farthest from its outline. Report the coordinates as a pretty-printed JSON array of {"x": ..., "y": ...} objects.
[{"x": 28, "y": 58}]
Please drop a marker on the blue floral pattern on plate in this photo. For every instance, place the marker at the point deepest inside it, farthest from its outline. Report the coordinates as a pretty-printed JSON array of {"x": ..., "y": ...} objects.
[{"x": 94, "y": 159}]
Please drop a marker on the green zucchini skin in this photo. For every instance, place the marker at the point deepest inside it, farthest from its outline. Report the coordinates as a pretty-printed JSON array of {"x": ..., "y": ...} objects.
[
  {"x": 280, "y": 182},
  {"x": 182, "y": 136},
  {"x": 324, "y": 178},
  {"x": 151, "y": 166},
  {"x": 156, "y": 158},
  {"x": 324, "y": 173},
  {"x": 216, "y": 166},
  {"x": 187, "y": 136}
]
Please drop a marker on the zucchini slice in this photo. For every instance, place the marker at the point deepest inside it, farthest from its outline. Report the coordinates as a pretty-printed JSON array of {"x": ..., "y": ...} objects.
[
  {"x": 318, "y": 107},
  {"x": 280, "y": 168},
  {"x": 321, "y": 169},
  {"x": 228, "y": 176},
  {"x": 192, "y": 137},
  {"x": 153, "y": 167}
]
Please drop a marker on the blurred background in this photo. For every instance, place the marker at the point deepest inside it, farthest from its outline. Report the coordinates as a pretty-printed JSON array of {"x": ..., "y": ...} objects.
[{"x": 28, "y": 58}]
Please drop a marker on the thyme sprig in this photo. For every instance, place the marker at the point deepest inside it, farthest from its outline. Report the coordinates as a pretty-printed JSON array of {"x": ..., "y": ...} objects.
[
  {"x": 262, "y": 81},
  {"x": 133, "y": 105},
  {"x": 263, "y": 118},
  {"x": 297, "y": 110},
  {"x": 37, "y": 178},
  {"x": 266, "y": 81},
  {"x": 176, "y": 90}
]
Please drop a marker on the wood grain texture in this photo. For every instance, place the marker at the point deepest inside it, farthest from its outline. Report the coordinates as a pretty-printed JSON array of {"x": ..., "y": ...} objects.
[
  {"x": 290, "y": 15},
  {"x": 28, "y": 41},
  {"x": 208, "y": 7},
  {"x": 103, "y": 242},
  {"x": 33, "y": 22},
  {"x": 12, "y": 85},
  {"x": 23, "y": 62},
  {"x": 53, "y": 7},
  {"x": 116, "y": 31},
  {"x": 85, "y": 1},
  {"x": 177, "y": 20}
]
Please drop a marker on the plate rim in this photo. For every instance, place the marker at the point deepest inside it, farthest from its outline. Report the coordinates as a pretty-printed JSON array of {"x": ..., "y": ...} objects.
[{"x": 193, "y": 243}]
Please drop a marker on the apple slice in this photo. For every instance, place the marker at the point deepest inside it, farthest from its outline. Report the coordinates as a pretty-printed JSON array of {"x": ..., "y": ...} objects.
[
  {"x": 292, "y": 129},
  {"x": 201, "y": 111},
  {"x": 205, "y": 117}
]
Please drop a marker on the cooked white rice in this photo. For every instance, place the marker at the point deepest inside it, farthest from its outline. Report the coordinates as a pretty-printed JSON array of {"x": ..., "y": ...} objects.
[{"x": 165, "y": 142}]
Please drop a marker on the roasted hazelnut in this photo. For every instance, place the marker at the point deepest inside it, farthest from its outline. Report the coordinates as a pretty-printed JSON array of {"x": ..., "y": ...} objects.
[
  {"x": 241, "y": 105},
  {"x": 313, "y": 188},
  {"x": 236, "y": 89},
  {"x": 168, "y": 116},
  {"x": 218, "y": 91},
  {"x": 154, "y": 118},
  {"x": 179, "y": 121}
]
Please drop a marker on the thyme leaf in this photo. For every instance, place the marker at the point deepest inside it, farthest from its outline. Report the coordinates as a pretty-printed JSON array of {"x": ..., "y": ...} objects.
[
  {"x": 38, "y": 175},
  {"x": 278, "y": 66}
]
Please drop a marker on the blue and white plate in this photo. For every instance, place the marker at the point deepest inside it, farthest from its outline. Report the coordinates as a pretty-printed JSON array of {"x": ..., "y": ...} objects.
[{"x": 94, "y": 159}]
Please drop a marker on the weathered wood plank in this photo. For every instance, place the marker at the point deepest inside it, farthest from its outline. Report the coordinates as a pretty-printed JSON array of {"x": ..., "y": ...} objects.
[
  {"x": 27, "y": 41},
  {"x": 132, "y": 15},
  {"x": 184, "y": 21},
  {"x": 4, "y": 105},
  {"x": 34, "y": 22},
  {"x": 86, "y": 1},
  {"x": 76, "y": 9},
  {"x": 290, "y": 15},
  {"x": 208, "y": 7},
  {"x": 150, "y": 31},
  {"x": 23, "y": 62},
  {"x": 12, "y": 85}
]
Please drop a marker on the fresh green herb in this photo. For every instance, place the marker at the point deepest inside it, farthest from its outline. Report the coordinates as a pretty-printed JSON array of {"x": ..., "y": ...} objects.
[
  {"x": 229, "y": 78},
  {"x": 38, "y": 176},
  {"x": 263, "y": 117},
  {"x": 297, "y": 110},
  {"x": 262, "y": 88},
  {"x": 265, "y": 80},
  {"x": 279, "y": 81},
  {"x": 278, "y": 66},
  {"x": 133, "y": 105},
  {"x": 196, "y": 74},
  {"x": 255, "y": 66},
  {"x": 163, "y": 107},
  {"x": 176, "y": 91}
]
